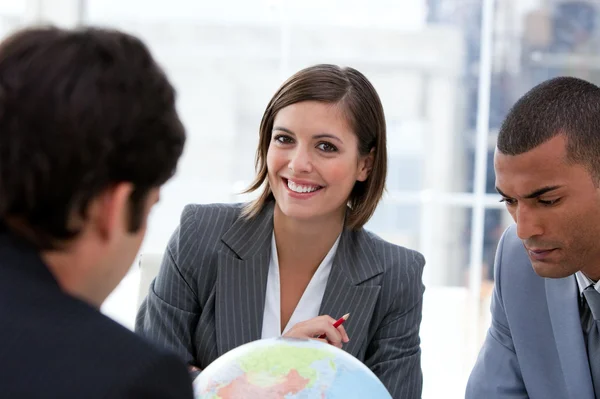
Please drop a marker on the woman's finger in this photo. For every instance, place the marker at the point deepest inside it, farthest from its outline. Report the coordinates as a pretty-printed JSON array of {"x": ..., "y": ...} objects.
[{"x": 344, "y": 334}]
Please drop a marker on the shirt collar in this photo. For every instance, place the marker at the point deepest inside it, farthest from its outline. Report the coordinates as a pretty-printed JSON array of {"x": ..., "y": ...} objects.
[{"x": 583, "y": 282}]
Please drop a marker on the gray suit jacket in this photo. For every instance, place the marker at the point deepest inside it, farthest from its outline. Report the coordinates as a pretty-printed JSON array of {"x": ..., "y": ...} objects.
[
  {"x": 209, "y": 294},
  {"x": 534, "y": 347}
]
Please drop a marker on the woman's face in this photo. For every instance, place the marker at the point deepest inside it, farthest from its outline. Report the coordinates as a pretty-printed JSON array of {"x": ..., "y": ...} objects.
[{"x": 313, "y": 160}]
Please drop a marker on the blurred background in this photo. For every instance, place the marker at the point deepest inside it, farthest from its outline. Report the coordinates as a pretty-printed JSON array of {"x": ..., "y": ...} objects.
[{"x": 447, "y": 72}]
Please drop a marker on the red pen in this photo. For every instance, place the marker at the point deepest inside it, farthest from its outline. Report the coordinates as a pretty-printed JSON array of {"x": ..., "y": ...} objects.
[{"x": 338, "y": 323}]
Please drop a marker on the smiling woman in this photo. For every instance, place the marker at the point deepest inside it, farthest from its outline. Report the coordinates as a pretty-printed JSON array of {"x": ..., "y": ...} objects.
[
  {"x": 337, "y": 113},
  {"x": 311, "y": 174},
  {"x": 297, "y": 258}
]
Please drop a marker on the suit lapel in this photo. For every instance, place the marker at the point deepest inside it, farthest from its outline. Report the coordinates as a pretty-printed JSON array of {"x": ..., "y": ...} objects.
[
  {"x": 355, "y": 263},
  {"x": 242, "y": 281},
  {"x": 561, "y": 295}
]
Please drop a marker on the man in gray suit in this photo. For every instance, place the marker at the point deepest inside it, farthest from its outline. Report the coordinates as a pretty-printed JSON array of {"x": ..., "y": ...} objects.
[{"x": 544, "y": 340}]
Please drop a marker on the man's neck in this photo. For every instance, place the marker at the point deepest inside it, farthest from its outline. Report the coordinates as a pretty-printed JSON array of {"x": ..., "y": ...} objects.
[{"x": 67, "y": 268}]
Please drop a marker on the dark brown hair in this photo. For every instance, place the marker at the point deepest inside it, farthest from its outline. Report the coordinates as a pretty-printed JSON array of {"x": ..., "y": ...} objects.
[
  {"x": 80, "y": 111},
  {"x": 357, "y": 98}
]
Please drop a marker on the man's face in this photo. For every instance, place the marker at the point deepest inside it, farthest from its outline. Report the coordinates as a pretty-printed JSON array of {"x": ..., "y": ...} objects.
[{"x": 556, "y": 206}]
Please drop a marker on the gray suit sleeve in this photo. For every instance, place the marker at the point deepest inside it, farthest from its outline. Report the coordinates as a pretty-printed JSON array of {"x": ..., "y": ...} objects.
[
  {"x": 169, "y": 314},
  {"x": 497, "y": 374},
  {"x": 394, "y": 353}
]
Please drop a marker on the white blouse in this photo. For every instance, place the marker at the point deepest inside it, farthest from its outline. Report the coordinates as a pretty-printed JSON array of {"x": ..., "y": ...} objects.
[{"x": 310, "y": 303}]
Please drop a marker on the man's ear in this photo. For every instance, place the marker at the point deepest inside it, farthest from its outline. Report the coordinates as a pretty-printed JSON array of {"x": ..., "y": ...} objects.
[
  {"x": 109, "y": 210},
  {"x": 365, "y": 165}
]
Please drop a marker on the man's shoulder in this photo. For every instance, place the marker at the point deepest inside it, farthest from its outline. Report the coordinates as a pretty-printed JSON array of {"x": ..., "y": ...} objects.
[
  {"x": 98, "y": 355},
  {"x": 511, "y": 256},
  {"x": 117, "y": 341},
  {"x": 131, "y": 362},
  {"x": 515, "y": 279},
  {"x": 108, "y": 342}
]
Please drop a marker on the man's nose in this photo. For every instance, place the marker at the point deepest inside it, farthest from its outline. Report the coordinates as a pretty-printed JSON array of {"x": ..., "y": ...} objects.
[{"x": 528, "y": 224}]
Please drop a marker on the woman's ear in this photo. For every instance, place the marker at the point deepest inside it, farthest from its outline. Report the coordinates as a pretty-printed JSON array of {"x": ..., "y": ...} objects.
[{"x": 365, "y": 165}]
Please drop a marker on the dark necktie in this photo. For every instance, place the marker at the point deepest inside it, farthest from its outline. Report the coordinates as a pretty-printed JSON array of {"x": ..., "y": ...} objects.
[{"x": 590, "y": 320}]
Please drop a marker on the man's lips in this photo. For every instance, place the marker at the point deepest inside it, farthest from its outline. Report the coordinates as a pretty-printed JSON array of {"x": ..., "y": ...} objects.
[{"x": 539, "y": 253}]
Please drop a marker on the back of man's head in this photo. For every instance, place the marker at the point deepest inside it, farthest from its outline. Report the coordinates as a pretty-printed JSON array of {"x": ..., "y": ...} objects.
[
  {"x": 563, "y": 105},
  {"x": 80, "y": 110}
]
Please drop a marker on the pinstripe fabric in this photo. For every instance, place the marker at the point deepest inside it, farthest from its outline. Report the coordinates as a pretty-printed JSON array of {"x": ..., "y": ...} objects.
[{"x": 209, "y": 295}]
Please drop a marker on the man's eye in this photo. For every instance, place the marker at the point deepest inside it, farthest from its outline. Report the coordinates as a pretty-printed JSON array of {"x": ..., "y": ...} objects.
[
  {"x": 508, "y": 201},
  {"x": 549, "y": 202}
]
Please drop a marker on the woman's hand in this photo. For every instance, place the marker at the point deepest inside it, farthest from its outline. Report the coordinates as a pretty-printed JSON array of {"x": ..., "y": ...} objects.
[{"x": 314, "y": 327}]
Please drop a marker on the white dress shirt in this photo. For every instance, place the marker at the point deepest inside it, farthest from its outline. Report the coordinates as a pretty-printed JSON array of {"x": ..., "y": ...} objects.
[
  {"x": 310, "y": 303},
  {"x": 583, "y": 282}
]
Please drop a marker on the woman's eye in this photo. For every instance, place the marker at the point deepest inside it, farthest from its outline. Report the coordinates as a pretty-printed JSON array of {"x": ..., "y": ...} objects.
[
  {"x": 283, "y": 139},
  {"x": 327, "y": 147}
]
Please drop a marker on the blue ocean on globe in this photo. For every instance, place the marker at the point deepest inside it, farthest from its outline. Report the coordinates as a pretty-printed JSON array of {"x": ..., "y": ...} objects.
[{"x": 287, "y": 368}]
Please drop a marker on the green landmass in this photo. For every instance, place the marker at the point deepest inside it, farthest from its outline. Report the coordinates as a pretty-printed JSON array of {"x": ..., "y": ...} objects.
[{"x": 278, "y": 360}]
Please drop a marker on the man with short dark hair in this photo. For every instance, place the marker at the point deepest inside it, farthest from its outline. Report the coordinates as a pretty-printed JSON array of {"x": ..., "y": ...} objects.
[
  {"x": 88, "y": 135},
  {"x": 544, "y": 340}
]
